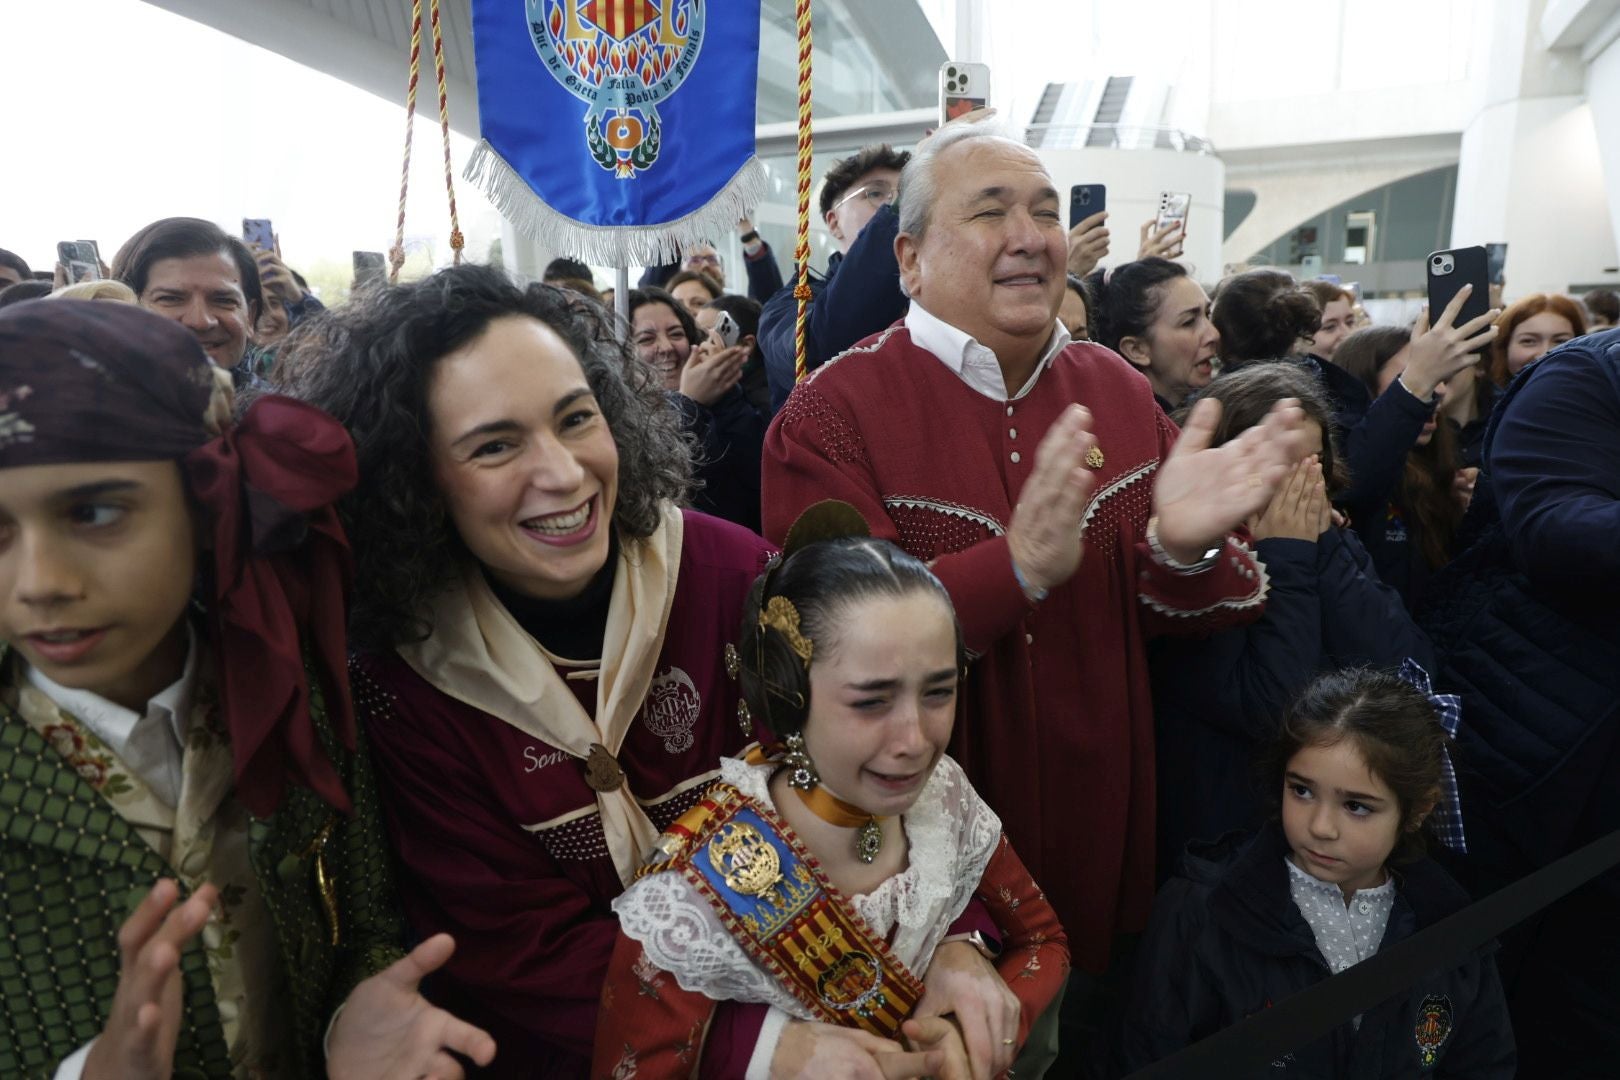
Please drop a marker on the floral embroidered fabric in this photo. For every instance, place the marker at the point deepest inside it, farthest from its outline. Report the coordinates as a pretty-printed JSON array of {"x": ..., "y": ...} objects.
[{"x": 951, "y": 834}]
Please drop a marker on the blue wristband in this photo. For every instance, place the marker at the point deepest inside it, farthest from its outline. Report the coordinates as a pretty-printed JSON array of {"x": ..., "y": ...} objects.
[{"x": 1034, "y": 595}]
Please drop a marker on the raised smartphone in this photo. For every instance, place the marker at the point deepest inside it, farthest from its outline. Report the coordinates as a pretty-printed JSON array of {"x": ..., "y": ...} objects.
[
  {"x": 80, "y": 259},
  {"x": 963, "y": 87},
  {"x": 1086, "y": 200},
  {"x": 1448, "y": 271},
  {"x": 258, "y": 234}
]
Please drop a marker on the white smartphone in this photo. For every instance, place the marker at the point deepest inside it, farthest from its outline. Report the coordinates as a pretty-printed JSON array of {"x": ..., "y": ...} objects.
[
  {"x": 963, "y": 87},
  {"x": 1173, "y": 208},
  {"x": 726, "y": 330}
]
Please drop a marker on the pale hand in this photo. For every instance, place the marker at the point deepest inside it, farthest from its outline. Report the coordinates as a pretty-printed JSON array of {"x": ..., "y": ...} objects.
[
  {"x": 1202, "y": 492},
  {"x": 962, "y": 983},
  {"x": 712, "y": 371},
  {"x": 938, "y": 1035},
  {"x": 1044, "y": 534},
  {"x": 275, "y": 279},
  {"x": 1462, "y": 486},
  {"x": 1440, "y": 351},
  {"x": 388, "y": 1029},
  {"x": 811, "y": 1051},
  {"x": 1088, "y": 244},
  {"x": 1165, "y": 243},
  {"x": 1300, "y": 509},
  {"x": 137, "y": 1042}
]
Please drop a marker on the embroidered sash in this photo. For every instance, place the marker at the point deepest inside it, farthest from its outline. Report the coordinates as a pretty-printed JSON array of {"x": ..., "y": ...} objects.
[{"x": 771, "y": 894}]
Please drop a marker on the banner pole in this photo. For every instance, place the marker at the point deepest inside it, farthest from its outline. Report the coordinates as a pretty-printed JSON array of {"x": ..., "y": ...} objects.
[{"x": 621, "y": 293}]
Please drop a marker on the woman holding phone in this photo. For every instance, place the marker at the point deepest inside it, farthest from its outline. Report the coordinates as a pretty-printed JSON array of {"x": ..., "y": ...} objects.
[{"x": 703, "y": 375}]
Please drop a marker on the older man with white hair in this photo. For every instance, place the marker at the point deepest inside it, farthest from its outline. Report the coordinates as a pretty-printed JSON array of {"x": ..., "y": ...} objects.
[{"x": 977, "y": 436}]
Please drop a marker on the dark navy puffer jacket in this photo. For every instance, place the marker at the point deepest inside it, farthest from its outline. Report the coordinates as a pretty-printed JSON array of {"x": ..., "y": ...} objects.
[{"x": 1226, "y": 941}]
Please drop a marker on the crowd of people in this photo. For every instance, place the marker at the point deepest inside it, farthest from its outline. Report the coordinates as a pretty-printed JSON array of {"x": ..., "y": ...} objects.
[{"x": 463, "y": 680}]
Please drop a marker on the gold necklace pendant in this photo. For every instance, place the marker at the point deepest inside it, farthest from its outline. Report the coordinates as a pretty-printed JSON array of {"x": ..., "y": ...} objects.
[{"x": 869, "y": 841}]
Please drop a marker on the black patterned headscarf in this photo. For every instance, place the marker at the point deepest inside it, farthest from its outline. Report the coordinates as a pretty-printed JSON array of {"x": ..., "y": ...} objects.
[{"x": 82, "y": 381}]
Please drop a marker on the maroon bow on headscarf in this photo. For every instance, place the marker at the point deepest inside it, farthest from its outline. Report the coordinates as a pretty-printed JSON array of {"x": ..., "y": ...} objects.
[
  {"x": 281, "y": 566},
  {"x": 84, "y": 381}
]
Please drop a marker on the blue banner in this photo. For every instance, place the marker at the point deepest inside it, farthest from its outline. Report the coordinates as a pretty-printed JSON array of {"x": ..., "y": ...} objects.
[{"x": 618, "y": 131}]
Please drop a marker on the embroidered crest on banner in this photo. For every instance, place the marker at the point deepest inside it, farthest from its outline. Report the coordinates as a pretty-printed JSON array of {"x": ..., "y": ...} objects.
[
  {"x": 1433, "y": 1027},
  {"x": 671, "y": 709},
  {"x": 620, "y": 57}
]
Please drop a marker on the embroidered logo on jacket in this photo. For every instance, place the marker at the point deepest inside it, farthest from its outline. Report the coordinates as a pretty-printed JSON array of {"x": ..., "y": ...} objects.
[
  {"x": 671, "y": 709},
  {"x": 1433, "y": 1027}
]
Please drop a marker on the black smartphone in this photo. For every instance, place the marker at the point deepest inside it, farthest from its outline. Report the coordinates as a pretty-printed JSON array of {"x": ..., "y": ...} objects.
[
  {"x": 257, "y": 233},
  {"x": 368, "y": 267},
  {"x": 81, "y": 260},
  {"x": 1085, "y": 200},
  {"x": 1448, "y": 272}
]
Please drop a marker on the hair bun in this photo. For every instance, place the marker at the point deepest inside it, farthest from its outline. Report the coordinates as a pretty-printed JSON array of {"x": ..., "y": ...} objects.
[{"x": 1294, "y": 313}]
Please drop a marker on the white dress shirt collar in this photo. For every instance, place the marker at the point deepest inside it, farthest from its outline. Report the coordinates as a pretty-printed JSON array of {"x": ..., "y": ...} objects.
[
  {"x": 973, "y": 363},
  {"x": 150, "y": 744}
]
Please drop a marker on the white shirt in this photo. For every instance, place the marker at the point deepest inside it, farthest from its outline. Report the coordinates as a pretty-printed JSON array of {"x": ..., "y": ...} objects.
[
  {"x": 152, "y": 745},
  {"x": 1346, "y": 933},
  {"x": 973, "y": 363}
]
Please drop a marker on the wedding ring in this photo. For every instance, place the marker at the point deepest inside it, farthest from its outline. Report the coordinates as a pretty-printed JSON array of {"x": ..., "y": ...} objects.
[{"x": 1008, "y": 1042}]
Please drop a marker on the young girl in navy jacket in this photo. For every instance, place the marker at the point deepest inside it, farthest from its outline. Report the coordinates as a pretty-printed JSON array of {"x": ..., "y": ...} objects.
[{"x": 1358, "y": 769}]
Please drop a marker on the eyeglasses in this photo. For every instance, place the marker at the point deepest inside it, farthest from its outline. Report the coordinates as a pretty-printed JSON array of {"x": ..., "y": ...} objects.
[
  {"x": 703, "y": 260},
  {"x": 877, "y": 195}
]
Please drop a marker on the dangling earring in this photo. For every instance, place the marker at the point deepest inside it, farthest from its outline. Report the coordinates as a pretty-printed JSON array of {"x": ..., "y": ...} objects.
[
  {"x": 745, "y": 719},
  {"x": 803, "y": 777}
]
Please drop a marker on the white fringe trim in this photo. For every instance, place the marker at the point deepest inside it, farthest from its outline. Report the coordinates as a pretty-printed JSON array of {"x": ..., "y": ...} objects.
[{"x": 603, "y": 245}]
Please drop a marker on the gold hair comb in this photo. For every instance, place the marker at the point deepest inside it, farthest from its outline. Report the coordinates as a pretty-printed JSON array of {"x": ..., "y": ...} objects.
[{"x": 780, "y": 615}]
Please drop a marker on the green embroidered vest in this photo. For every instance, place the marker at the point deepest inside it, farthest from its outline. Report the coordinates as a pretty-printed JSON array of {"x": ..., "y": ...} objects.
[{"x": 72, "y": 869}]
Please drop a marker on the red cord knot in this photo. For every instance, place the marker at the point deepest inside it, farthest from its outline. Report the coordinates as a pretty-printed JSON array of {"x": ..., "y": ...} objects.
[{"x": 802, "y": 292}]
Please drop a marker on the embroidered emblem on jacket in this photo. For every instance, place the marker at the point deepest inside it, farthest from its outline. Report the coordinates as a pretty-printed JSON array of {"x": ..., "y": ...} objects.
[
  {"x": 1433, "y": 1027},
  {"x": 671, "y": 710}
]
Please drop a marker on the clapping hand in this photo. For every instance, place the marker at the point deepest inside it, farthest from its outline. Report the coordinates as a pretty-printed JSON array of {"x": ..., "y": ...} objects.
[
  {"x": 1044, "y": 534},
  {"x": 714, "y": 368},
  {"x": 1202, "y": 492}
]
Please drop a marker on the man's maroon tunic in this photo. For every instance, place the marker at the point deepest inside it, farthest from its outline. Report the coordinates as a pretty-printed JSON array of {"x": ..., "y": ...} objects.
[{"x": 1057, "y": 725}]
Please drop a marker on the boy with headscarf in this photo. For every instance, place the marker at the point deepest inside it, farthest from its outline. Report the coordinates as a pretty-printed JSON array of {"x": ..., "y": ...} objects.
[{"x": 173, "y": 705}]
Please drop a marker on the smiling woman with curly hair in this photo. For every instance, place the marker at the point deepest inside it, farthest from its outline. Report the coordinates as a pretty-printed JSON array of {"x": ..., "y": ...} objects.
[{"x": 542, "y": 627}]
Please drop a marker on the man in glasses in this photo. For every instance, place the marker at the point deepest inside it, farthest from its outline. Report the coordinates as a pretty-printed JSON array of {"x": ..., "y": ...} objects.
[{"x": 860, "y": 293}]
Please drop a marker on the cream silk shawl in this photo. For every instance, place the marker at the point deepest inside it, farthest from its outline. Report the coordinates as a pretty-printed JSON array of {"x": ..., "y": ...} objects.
[{"x": 478, "y": 654}]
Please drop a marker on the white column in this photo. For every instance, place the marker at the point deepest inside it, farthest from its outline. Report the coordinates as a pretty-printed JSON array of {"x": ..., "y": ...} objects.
[{"x": 1531, "y": 171}]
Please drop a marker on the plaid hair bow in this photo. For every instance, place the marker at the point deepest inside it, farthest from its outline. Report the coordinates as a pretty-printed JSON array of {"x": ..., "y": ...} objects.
[{"x": 1447, "y": 817}]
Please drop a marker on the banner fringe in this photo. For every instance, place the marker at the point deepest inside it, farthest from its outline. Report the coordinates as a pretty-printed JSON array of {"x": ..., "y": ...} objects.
[{"x": 613, "y": 245}]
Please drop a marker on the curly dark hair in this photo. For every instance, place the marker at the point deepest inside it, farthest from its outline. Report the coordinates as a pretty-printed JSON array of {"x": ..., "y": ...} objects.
[{"x": 370, "y": 364}]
